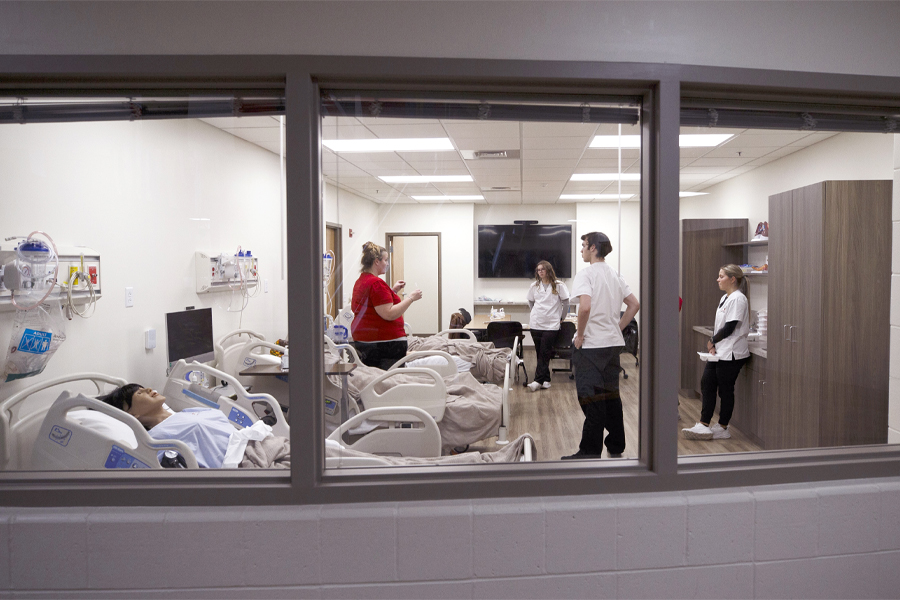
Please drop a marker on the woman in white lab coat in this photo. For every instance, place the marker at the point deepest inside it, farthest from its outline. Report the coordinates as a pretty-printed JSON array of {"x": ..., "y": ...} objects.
[
  {"x": 729, "y": 344},
  {"x": 549, "y": 302}
]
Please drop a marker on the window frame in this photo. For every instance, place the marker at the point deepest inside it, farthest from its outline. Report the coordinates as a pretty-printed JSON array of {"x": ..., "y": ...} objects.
[{"x": 658, "y": 468}]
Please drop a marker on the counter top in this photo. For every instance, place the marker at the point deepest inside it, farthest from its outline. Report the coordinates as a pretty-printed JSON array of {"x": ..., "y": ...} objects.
[{"x": 756, "y": 347}]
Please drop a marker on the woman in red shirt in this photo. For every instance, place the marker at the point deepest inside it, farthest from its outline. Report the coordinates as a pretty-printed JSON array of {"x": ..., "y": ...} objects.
[{"x": 377, "y": 327}]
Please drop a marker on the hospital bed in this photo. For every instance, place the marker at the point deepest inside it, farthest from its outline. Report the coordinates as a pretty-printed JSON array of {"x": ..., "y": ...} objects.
[{"x": 239, "y": 356}]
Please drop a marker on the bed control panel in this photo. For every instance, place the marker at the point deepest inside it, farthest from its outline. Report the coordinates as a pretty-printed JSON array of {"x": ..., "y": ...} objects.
[
  {"x": 119, "y": 459},
  {"x": 239, "y": 418}
]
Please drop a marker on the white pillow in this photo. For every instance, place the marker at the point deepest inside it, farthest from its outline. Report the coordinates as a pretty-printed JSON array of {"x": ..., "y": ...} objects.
[{"x": 105, "y": 425}]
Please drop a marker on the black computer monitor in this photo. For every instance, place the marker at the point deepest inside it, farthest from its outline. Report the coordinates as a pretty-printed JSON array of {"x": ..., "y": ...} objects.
[{"x": 189, "y": 335}]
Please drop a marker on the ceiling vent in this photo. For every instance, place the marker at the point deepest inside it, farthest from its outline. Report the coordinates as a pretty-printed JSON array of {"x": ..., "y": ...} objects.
[{"x": 489, "y": 154}]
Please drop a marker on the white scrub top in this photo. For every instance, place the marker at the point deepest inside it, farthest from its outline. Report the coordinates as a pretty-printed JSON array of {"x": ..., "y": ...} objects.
[
  {"x": 607, "y": 290},
  {"x": 734, "y": 307},
  {"x": 547, "y": 311}
]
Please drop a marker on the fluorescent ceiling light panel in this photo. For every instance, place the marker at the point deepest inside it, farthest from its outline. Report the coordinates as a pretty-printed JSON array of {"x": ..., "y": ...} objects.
[
  {"x": 687, "y": 140},
  {"x": 595, "y": 196},
  {"x": 689, "y": 194},
  {"x": 442, "y": 198},
  {"x": 703, "y": 140},
  {"x": 425, "y": 178},
  {"x": 606, "y": 177},
  {"x": 390, "y": 145}
]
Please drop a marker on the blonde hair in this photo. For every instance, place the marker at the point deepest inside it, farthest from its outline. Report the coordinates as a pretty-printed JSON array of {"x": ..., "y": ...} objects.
[
  {"x": 739, "y": 278},
  {"x": 551, "y": 274},
  {"x": 370, "y": 253}
]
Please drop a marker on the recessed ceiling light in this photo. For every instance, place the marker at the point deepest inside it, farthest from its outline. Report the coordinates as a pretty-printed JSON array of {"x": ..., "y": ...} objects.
[
  {"x": 425, "y": 178},
  {"x": 595, "y": 196},
  {"x": 390, "y": 145},
  {"x": 606, "y": 177},
  {"x": 689, "y": 194},
  {"x": 443, "y": 198},
  {"x": 686, "y": 140}
]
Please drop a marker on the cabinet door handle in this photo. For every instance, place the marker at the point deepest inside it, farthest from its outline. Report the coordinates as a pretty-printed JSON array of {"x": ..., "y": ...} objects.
[
  {"x": 787, "y": 333},
  {"x": 793, "y": 338}
]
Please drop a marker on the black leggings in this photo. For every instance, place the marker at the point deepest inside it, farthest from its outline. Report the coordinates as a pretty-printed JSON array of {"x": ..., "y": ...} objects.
[
  {"x": 719, "y": 376},
  {"x": 381, "y": 354}
]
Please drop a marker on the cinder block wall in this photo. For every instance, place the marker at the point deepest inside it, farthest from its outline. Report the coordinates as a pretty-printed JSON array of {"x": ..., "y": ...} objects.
[{"x": 836, "y": 540}]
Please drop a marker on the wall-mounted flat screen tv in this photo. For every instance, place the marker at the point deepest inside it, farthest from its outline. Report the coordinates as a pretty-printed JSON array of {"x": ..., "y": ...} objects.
[{"x": 515, "y": 250}]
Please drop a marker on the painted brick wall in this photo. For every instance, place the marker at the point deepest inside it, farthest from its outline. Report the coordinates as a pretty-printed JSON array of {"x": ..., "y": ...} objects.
[{"x": 836, "y": 540}]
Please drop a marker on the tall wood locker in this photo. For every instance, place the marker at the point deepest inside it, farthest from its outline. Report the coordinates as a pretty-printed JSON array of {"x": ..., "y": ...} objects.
[{"x": 829, "y": 304}]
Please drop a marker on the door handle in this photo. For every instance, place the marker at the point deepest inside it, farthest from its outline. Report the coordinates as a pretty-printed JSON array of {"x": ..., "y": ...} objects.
[
  {"x": 793, "y": 327},
  {"x": 787, "y": 333}
]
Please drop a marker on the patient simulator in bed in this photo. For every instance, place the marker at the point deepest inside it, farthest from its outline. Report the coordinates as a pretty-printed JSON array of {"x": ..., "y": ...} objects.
[{"x": 80, "y": 432}]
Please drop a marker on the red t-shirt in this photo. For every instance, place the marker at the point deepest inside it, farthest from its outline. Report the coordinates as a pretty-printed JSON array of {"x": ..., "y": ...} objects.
[{"x": 368, "y": 326}]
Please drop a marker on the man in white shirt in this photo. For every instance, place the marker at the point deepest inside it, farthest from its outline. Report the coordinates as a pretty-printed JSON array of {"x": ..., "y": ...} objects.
[{"x": 598, "y": 342}]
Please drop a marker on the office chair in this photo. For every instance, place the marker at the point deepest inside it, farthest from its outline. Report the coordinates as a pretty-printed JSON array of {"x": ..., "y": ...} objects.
[
  {"x": 563, "y": 347},
  {"x": 503, "y": 334},
  {"x": 630, "y": 333}
]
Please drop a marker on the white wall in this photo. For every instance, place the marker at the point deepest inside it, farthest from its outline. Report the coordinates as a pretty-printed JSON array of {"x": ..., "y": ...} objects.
[
  {"x": 130, "y": 190},
  {"x": 357, "y": 217}
]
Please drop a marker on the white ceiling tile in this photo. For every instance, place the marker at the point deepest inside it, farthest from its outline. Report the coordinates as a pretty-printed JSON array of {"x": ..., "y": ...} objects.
[
  {"x": 257, "y": 134},
  {"x": 486, "y": 143},
  {"x": 421, "y": 157},
  {"x": 407, "y": 130},
  {"x": 503, "y": 197},
  {"x": 719, "y": 162},
  {"x": 551, "y": 143},
  {"x": 564, "y": 163},
  {"x": 274, "y": 148},
  {"x": 554, "y": 187},
  {"x": 374, "y": 121},
  {"x": 814, "y": 138},
  {"x": 539, "y": 199},
  {"x": 748, "y": 152},
  {"x": 692, "y": 152},
  {"x": 592, "y": 165},
  {"x": 613, "y": 129},
  {"x": 457, "y": 189},
  {"x": 545, "y": 174},
  {"x": 768, "y": 138},
  {"x": 441, "y": 168},
  {"x": 550, "y": 154}
]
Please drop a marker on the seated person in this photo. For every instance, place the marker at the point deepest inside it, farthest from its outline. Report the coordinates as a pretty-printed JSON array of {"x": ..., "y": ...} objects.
[{"x": 206, "y": 431}]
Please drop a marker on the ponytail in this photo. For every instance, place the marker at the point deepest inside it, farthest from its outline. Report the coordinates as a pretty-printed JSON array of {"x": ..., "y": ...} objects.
[
  {"x": 370, "y": 253},
  {"x": 740, "y": 278}
]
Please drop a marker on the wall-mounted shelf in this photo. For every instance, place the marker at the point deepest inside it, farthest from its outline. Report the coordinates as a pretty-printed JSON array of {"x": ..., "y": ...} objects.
[{"x": 756, "y": 243}]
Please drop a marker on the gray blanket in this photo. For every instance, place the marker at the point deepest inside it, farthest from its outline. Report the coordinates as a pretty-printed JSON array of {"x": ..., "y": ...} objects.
[
  {"x": 488, "y": 363},
  {"x": 472, "y": 412}
]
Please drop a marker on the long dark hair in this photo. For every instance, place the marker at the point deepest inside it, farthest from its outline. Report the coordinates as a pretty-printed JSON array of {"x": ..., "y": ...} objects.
[{"x": 551, "y": 274}]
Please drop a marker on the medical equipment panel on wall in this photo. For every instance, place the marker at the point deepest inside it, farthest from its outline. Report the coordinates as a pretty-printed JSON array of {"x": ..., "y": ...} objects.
[
  {"x": 74, "y": 261},
  {"x": 226, "y": 272}
]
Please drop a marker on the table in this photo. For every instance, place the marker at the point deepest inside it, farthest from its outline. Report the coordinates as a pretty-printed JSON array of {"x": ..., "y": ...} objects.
[{"x": 266, "y": 370}]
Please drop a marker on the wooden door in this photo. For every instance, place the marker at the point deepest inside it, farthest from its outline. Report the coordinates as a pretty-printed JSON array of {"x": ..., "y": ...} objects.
[
  {"x": 778, "y": 376},
  {"x": 417, "y": 257},
  {"x": 807, "y": 264}
]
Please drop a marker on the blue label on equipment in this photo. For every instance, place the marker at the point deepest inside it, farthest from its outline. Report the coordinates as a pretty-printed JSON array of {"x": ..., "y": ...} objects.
[
  {"x": 330, "y": 406},
  {"x": 240, "y": 418},
  {"x": 60, "y": 435},
  {"x": 35, "y": 342},
  {"x": 119, "y": 459}
]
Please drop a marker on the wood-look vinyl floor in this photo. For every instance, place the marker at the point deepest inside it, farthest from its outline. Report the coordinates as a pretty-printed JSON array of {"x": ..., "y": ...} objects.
[{"x": 554, "y": 418}]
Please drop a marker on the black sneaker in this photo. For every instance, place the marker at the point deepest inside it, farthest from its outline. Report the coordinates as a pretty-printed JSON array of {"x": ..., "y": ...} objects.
[{"x": 579, "y": 455}]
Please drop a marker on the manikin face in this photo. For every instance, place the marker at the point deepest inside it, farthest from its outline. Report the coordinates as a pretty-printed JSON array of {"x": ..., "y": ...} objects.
[{"x": 144, "y": 402}]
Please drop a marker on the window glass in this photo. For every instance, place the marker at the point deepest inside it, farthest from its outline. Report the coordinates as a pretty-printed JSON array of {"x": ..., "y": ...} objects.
[
  {"x": 160, "y": 220},
  {"x": 438, "y": 214},
  {"x": 801, "y": 203}
]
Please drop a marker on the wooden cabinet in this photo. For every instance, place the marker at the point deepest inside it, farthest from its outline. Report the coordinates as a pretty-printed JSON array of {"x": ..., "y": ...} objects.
[{"x": 829, "y": 302}]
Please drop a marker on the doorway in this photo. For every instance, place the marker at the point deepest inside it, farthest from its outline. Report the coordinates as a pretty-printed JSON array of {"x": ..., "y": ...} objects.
[
  {"x": 334, "y": 290},
  {"x": 416, "y": 258}
]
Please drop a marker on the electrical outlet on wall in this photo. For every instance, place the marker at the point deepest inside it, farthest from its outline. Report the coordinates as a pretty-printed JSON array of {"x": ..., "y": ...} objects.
[{"x": 129, "y": 297}]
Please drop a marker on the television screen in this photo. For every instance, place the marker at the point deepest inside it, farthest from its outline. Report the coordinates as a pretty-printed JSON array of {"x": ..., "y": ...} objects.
[
  {"x": 189, "y": 335},
  {"x": 515, "y": 250}
]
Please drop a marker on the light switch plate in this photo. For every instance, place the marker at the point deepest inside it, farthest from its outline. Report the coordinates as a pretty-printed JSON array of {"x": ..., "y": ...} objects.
[{"x": 150, "y": 339}]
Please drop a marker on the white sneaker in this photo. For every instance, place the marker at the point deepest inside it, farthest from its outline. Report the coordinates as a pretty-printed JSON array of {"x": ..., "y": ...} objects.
[
  {"x": 719, "y": 432},
  {"x": 534, "y": 386},
  {"x": 697, "y": 432},
  {"x": 546, "y": 385}
]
